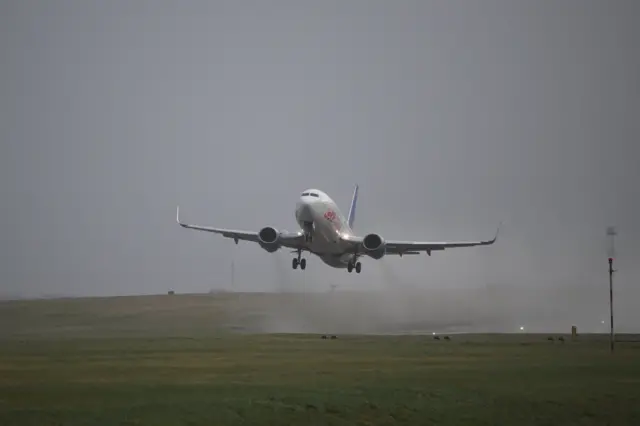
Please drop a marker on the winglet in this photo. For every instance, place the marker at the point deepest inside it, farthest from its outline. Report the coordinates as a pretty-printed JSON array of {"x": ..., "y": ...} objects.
[
  {"x": 178, "y": 215},
  {"x": 495, "y": 238},
  {"x": 352, "y": 208}
]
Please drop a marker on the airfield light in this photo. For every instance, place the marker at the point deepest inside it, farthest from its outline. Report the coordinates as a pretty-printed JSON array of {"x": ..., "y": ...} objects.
[{"x": 521, "y": 328}]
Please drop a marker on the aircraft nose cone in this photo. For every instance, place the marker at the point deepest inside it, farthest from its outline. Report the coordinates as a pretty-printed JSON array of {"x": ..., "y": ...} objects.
[{"x": 304, "y": 211}]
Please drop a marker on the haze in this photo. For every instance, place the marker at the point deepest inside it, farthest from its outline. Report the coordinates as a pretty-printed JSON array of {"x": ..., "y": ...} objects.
[{"x": 452, "y": 116}]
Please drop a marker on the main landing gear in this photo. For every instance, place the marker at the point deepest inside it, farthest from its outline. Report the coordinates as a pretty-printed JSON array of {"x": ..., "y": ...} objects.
[
  {"x": 299, "y": 261},
  {"x": 353, "y": 264}
]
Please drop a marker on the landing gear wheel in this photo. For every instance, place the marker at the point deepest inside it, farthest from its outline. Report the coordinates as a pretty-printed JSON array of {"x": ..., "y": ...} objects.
[
  {"x": 354, "y": 264},
  {"x": 303, "y": 263},
  {"x": 294, "y": 263}
]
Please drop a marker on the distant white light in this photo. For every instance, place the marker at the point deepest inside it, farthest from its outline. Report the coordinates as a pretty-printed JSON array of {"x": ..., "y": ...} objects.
[
  {"x": 434, "y": 333},
  {"x": 521, "y": 328},
  {"x": 602, "y": 321}
]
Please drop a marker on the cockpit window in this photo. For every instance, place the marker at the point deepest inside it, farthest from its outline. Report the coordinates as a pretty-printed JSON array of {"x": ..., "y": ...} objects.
[
  {"x": 305, "y": 193},
  {"x": 313, "y": 194}
]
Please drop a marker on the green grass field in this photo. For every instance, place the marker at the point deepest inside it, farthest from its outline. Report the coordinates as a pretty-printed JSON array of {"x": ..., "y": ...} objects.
[{"x": 156, "y": 377}]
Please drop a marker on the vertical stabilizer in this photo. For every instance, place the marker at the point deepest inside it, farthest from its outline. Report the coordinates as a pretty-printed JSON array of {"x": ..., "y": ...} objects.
[{"x": 352, "y": 208}]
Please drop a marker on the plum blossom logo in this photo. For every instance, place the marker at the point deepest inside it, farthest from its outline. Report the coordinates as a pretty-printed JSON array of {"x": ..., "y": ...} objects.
[{"x": 330, "y": 215}]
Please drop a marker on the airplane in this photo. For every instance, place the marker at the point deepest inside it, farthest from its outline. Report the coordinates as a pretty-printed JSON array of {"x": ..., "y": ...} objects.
[{"x": 327, "y": 234}]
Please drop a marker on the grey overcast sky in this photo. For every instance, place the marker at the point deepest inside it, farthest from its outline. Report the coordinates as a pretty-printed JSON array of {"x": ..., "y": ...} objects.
[{"x": 451, "y": 115}]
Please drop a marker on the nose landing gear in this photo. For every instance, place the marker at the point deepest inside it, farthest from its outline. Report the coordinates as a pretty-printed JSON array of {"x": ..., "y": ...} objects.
[{"x": 308, "y": 231}]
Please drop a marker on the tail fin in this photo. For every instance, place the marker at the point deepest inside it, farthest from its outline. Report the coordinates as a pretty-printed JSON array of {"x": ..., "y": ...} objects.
[{"x": 352, "y": 209}]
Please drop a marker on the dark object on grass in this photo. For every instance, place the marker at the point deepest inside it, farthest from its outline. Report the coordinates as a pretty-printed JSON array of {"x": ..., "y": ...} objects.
[
  {"x": 447, "y": 338},
  {"x": 550, "y": 338},
  {"x": 334, "y": 337},
  {"x": 171, "y": 292},
  {"x": 561, "y": 339},
  {"x": 436, "y": 337},
  {"x": 324, "y": 336}
]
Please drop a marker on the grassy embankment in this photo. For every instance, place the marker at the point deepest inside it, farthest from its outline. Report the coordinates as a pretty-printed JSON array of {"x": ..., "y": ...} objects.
[{"x": 134, "y": 368}]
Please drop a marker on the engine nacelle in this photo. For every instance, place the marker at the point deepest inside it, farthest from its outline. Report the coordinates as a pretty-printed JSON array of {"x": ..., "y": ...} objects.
[
  {"x": 269, "y": 239},
  {"x": 374, "y": 246}
]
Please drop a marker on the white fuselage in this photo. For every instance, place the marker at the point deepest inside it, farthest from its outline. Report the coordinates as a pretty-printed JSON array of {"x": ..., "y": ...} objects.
[{"x": 329, "y": 225}]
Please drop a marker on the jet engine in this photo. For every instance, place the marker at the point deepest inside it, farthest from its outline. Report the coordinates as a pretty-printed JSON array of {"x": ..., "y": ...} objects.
[
  {"x": 268, "y": 239},
  {"x": 374, "y": 246}
]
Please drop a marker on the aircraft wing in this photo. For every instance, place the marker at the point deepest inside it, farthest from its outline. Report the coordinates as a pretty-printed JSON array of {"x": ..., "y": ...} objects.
[
  {"x": 408, "y": 247},
  {"x": 291, "y": 240},
  {"x": 401, "y": 253},
  {"x": 395, "y": 247}
]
